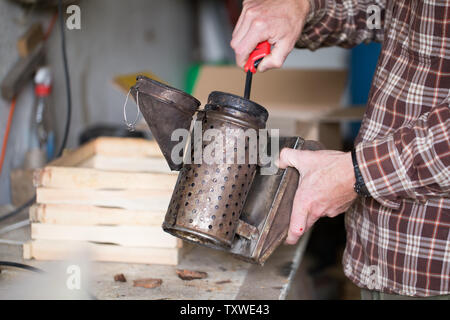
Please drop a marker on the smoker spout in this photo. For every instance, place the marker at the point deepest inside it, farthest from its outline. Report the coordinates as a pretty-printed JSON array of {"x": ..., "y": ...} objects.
[{"x": 165, "y": 109}]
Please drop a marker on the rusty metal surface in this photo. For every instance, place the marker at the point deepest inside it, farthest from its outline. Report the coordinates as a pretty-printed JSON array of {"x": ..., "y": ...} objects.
[
  {"x": 208, "y": 198},
  {"x": 164, "y": 109},
  {"x": 246, "y": 230},
  {"x": 230, "y": 207},
  {"x": 217, "y": 99},
  {"x": 268, "y": 208}
]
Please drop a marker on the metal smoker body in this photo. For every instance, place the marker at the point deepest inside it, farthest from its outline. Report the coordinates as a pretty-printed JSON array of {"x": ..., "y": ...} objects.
[{"x": 230, "y": 207}]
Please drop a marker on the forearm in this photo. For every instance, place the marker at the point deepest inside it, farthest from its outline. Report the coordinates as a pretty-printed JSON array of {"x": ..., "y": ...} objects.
[
  {"x": 411, "y": 163},
  {"x": 341, "y": 23}
]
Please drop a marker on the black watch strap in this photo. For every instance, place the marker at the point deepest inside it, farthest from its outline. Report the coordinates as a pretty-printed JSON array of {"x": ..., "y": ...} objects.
[{"x": 359, "y": 187}]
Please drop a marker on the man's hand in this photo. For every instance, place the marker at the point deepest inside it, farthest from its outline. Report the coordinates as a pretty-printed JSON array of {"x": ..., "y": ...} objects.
[
  {"x": 278, "y": 21},
  {"x": 325, "y": 187}
]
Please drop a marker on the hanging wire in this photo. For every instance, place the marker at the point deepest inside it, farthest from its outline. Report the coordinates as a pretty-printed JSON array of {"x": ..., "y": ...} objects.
[{"x": 131, "y": 126}]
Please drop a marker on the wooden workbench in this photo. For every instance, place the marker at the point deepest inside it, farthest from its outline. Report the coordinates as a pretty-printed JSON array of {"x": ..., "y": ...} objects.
[{"x": 228, "y": 278}]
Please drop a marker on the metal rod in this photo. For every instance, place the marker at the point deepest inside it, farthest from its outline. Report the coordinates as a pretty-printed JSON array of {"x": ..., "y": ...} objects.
[
  {"x": 248, "y": 81},
  {"x": 248, "y": 84}
]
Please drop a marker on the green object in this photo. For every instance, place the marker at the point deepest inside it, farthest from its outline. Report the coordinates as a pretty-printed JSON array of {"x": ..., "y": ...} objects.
[
  {"x": 192, "y": 74},
  {"x": 191, "y": 77}
]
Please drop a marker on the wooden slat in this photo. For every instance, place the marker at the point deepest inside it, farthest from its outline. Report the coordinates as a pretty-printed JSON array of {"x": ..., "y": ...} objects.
[
  {"x": 152, "y": 200},
  {"x": 130, "y": 236},
  {"x": 64, "y": 250},
  {"x": 72, "y": 158},
  {"x": 86, "y": 178},
  {"x": 67, "y": 214},
  {"x": 131, "y": 149},
  {"x": 127, "y": 147},
  {"x": 108, "y": 163}
]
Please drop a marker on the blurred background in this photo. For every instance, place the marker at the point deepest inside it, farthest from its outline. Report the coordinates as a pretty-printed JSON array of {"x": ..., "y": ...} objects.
[{"x": 172, "y": 40}]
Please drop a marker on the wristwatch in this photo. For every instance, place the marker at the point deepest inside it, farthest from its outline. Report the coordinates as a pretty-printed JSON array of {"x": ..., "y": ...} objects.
[{"x": 359, "y": 187}]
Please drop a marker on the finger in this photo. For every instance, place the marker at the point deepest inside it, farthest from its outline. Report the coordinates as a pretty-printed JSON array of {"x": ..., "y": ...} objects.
[
  {"x": 288, "y": 158},
  {"x": 238, "y": 28},
  {"x": 312, "y": 218},
  {"x": 239, "y": 22},
  {"x": 298, "y": 218},
  {"x": 249, "y": 11},
  {"x": 255, "y": 34},
  {"x": 239, "y": 38},
  {"x": 276, "y": 58},
  {"x": 247, "y": 45}
]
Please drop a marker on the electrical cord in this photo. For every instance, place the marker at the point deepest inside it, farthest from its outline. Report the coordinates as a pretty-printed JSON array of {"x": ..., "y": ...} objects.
[
  {"x": 34, "y": 269},
  {"x": 63, "y": 144},
  {"x": 67, "y": 79},
  {"x": 18, "y": 209},
  {"x": 20, "y": 266},
  {"x": 69, "y": 107}
]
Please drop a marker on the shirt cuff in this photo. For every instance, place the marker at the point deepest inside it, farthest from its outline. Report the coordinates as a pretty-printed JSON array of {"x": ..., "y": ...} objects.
[
  {"x": 308, "y": 38},
  {"x": 381, "y": 171},
  {"x": 316, "y": 10}
]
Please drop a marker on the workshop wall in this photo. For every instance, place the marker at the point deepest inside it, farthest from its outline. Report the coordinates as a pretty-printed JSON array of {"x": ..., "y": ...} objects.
[
  {"x": 116, "y": 37},
  {"x": 330, "y": 58}
]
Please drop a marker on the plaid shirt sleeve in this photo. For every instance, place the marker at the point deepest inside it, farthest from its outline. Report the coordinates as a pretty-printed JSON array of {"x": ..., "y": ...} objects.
[
  {"x": 413, "y": 162},
  {"x": 340, "y": 23},
  {"x": 403, "y": 146}
]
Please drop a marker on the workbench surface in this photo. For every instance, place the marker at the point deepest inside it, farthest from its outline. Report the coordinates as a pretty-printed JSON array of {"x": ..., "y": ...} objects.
[{"x": 228, "y": 278}]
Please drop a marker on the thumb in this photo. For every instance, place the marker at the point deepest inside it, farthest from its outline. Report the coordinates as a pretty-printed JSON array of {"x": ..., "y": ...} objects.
[
  {"x": 288, "y": 158},
  {"x": 277, "y": 57}
]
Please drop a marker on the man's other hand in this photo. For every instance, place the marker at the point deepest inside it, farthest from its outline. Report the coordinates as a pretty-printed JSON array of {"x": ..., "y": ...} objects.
[
  {"x": 325, "y": 187},
  {"x": 278, "y": 21}
]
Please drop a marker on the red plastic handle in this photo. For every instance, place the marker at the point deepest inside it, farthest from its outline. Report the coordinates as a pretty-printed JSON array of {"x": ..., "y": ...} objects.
[{"x": 261, "y": 50}]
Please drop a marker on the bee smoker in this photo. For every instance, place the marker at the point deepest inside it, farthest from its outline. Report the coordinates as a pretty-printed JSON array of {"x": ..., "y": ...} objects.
[{"x": 231, "y": 207}]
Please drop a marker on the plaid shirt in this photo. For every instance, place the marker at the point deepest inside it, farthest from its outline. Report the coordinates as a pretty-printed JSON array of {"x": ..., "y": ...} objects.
[{"x": 398, "y": 239}]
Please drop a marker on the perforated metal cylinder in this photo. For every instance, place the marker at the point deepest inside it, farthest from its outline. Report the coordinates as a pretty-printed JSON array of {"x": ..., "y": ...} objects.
[{"x": 208, "y": 198}]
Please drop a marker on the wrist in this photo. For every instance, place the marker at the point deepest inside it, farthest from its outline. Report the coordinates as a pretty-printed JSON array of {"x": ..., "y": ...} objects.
[{"x": 349, "y": 172}]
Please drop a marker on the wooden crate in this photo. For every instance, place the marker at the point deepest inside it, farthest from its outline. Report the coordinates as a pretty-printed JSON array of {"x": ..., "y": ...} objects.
[{"x": 107, "y": 198}]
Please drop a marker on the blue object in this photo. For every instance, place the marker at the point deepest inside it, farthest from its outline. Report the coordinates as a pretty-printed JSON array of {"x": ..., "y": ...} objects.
[
  {"x": 50, "y": 146},
  {"x": 363, "y": 62}
]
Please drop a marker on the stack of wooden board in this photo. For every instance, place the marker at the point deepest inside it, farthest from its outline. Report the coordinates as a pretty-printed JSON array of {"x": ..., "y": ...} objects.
[{"x": 107, "y": 198}]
